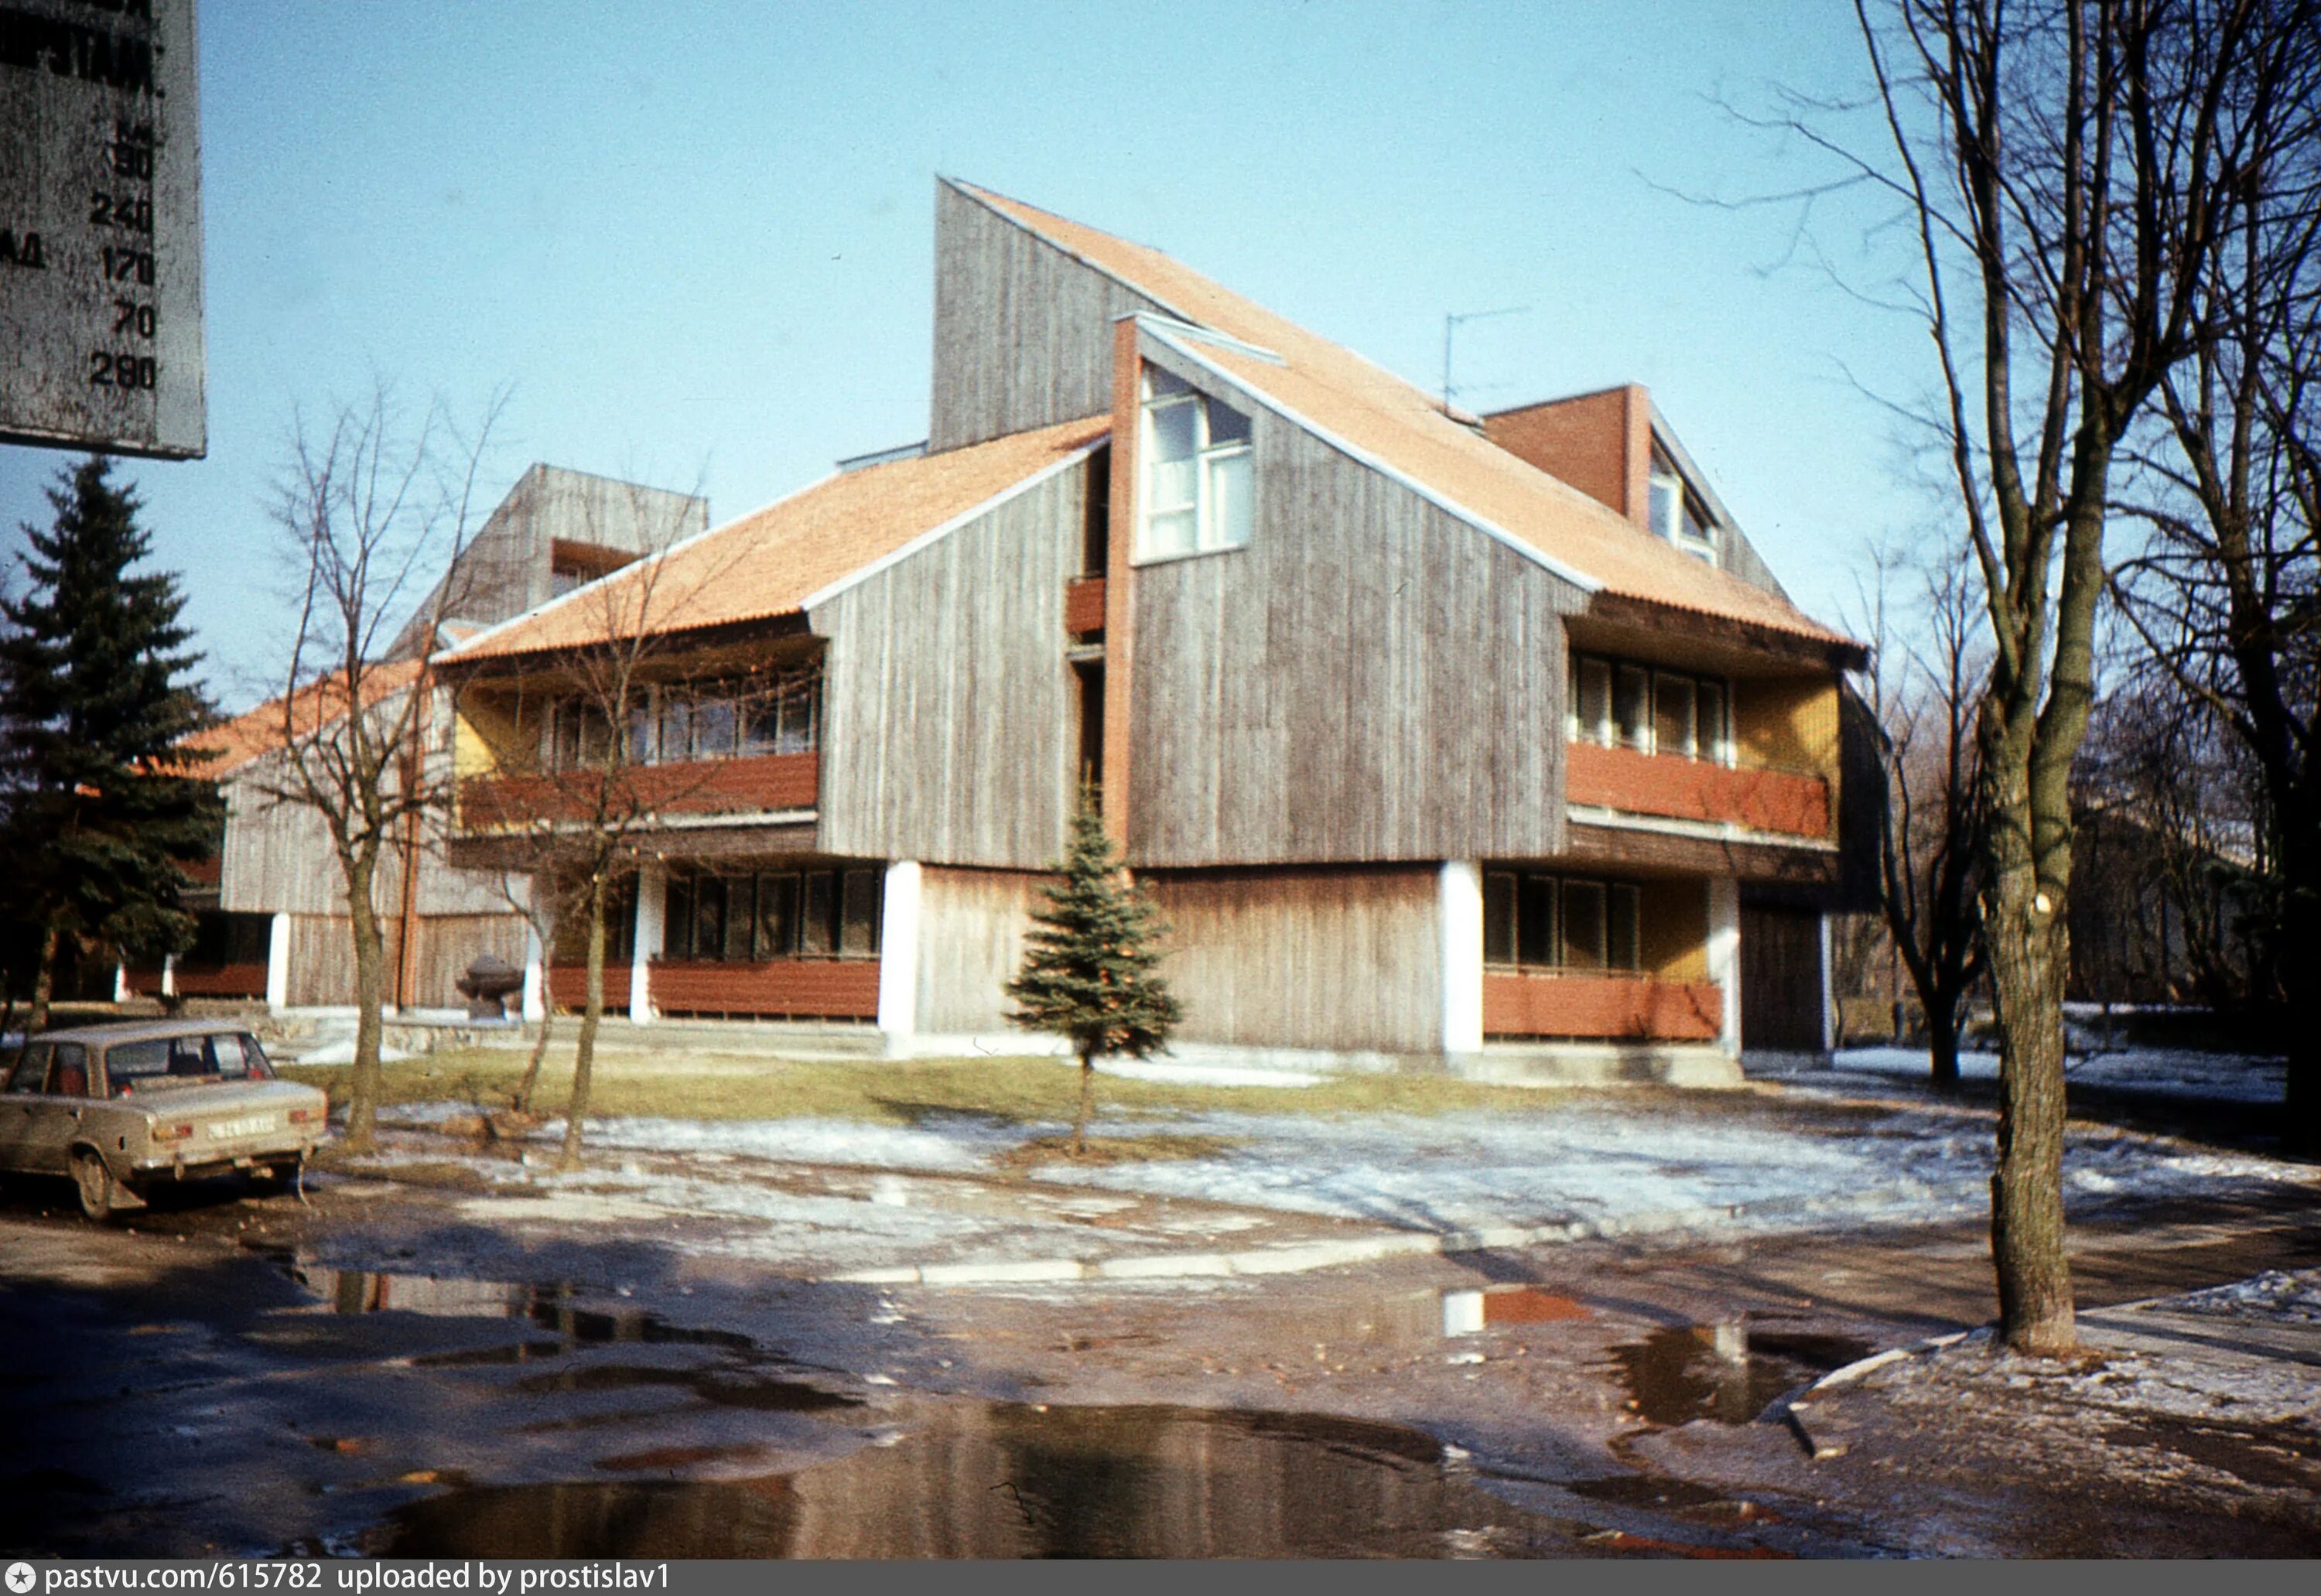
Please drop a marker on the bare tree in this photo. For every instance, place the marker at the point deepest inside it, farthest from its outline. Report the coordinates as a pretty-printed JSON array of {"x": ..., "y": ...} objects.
[
  {"x": 2069, "y": 167},
  {"x": 370, "y": 509},
  {"x": 1925, "y": 681}
]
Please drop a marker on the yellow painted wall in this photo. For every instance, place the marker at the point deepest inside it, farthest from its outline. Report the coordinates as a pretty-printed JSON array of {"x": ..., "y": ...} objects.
[
  {"x": 1672, "y": 930},
  {"x": 491, "y": 737},
  {"x": 1786, "y": 724}
]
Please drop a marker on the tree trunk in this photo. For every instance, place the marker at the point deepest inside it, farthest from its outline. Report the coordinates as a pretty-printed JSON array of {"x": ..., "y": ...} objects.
[
  {"x": 524, "y": 1088},
  {"x": 1087, "y": 1105},
  {"x": 584, "y": 1056},
  {"x": 44, "y": 980},
  {"x": 370, "y": 996},
  {"x": 2029, "y": 952},
  {"x": 2301, "y": 945},
  {"x": 1942, "y": 1042}
]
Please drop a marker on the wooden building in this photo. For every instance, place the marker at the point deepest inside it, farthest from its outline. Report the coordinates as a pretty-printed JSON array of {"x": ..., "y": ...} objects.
[{"x": 1437, "y": 737}]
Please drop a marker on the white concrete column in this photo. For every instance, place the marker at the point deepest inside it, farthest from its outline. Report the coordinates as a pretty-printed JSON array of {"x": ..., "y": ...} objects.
[
  {"x": 1725, "y": 956},
  {"x": 277, "y": 965},
  {"x": 1459, "y": 904},
  {"x": 121, "y": 983},
  {"x": 899, "y": 952},
  {"x": 653, "y": 904},
  {"x": 170, "y": 973},
  {"x": 535, "y": 976},
  {"x": 1828, "y": 993}
]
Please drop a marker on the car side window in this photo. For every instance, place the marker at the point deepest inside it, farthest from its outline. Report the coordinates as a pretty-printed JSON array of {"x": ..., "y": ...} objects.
[
  {"x": 253, "y": 1056},
  {"x": 70, "y": 1078},
  {"x": 128, "y": 1062},
  {"x": 31, "y": 1071}
]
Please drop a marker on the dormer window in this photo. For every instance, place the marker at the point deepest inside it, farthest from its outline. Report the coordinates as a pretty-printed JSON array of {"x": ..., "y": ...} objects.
[
  {"x": 1678, "y": 514},
  {"x": 1198, "y": 470}
]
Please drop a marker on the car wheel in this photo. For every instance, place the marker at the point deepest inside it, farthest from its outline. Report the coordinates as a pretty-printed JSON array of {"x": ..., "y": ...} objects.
[{"x": 100, "y": 1194}]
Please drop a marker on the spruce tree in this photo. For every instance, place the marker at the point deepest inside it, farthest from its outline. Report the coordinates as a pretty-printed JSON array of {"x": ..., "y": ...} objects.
[
  {"x": 1090, "y": 972},
  {"x": 94, "y": 711}
]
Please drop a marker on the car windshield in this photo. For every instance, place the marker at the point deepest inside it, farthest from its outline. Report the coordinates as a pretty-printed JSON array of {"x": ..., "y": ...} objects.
[{"x": 130, "y": 1066}]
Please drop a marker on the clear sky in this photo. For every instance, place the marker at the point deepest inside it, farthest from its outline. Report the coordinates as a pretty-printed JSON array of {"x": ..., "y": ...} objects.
[{"x": 695, "y": 239}]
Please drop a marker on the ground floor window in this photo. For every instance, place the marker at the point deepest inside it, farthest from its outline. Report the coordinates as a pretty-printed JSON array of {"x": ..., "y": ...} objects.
[
  {"x": 1533, "y": 920},
  {"x": 620, "y": 926},
  {"x": 830, "y": 912}
]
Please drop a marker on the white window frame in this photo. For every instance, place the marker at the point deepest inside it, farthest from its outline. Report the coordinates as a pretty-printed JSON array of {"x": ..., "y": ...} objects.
[
  {"x": 1666, "y": 481},
  {"x": 1211, "y": 533}
]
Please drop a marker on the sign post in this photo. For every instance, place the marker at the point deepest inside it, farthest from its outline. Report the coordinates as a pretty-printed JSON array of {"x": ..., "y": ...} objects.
[{"x": 101, "y": 227}]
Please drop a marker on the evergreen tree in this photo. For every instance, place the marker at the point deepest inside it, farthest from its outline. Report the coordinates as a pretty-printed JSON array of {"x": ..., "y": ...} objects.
[
  {"x": 1089, "y": 972},
  {"x": 95, "y": 709}
]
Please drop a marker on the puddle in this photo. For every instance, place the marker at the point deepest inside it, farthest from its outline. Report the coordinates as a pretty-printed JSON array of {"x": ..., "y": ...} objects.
[
  {"x": 550, "y": 1306},
  {"x": 1011, "y": 1479},
  {"x": 1465, "y": 1313},
  {"x": 1710, "y": 1372},
  {"x": 723, "y": 1387}
]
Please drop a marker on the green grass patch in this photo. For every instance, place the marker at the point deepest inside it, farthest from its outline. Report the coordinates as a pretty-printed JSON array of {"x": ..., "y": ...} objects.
[{"x": 706, "y": 1085}]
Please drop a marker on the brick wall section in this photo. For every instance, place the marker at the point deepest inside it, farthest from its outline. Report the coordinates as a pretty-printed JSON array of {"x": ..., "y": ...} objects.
[
  {"x": 1622, "y": 779},
  {"x": 1084, "y": 606},
  {"x": 819, "y": 989},
  {"x": 704, "y": 787},
  {"x": 1616, "y": 1007}
]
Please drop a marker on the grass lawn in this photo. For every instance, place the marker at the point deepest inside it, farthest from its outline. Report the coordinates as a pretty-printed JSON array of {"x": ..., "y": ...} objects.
[{"x": 706, "y": 1085}]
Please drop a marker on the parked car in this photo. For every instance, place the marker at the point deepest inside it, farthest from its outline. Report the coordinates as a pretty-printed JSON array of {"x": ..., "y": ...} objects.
[{"x": 123, "y": 1108}]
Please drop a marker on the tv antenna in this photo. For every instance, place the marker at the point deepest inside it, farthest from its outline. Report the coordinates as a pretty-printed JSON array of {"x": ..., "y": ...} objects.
[{"x": 1450, "y": 326}]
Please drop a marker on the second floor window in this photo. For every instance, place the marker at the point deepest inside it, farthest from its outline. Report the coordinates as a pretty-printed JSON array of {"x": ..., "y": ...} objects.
[
  {"x": 1544, "y": 922},
  {"x": 1198, "y": 472},
  {"x": 668, "y": 726},
  {"x": 1620, "y": 704}
]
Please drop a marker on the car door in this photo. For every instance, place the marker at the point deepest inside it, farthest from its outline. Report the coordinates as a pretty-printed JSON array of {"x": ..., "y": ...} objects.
[
  {"x": 20, "y": 1104},
  {"x": 57, "y": 1114}
]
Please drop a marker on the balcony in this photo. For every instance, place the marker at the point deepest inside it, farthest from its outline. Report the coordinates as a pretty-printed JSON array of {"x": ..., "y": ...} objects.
[
  {"x": 799, "y": 989},
  {"x": 1778, "y": 801},
  {"x": 1617, "y": 1007},
  {"x": 752, "y": 785},
  {"x": 1084, "y": 606}
]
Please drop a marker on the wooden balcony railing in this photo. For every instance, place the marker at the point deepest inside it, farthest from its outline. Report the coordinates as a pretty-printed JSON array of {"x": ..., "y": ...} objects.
[
  {"x": 1084, "y": 605},
  {"x": 1612, "y": 1007},
  {"x": 1679, "y": 788},
  {"x": 201, "y": 980},
  {"x": 818, "y": 988},
  {"x": 702, "y": 787}
]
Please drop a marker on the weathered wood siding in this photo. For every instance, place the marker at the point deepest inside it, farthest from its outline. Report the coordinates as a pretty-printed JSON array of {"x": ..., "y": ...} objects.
[
  {"x": 1370, "y": 678},
  {"x": 1022, "y": 331},
  {"x": 948, "y": 706},
  {"x": 444, "y": 945},
  {"x": 277, "y": 857},
  {"x": 971, "y": 929},
  {"x": 1347, "y": 959},
  {"x": 322, "y": 961}
]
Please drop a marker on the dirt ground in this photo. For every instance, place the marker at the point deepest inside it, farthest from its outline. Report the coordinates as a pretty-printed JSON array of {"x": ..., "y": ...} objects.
[{"x": 381, "y": 1371}]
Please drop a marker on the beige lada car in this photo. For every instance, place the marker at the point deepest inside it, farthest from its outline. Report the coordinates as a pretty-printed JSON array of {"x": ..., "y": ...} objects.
[{"x": 123, "y": 1108}]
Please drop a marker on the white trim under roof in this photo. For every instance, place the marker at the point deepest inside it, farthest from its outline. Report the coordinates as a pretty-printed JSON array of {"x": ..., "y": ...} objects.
[
  {"x": 1144, "y": 318},
  {"x": 863, "y": 573},
  {"x": 1156, "y": 329}
]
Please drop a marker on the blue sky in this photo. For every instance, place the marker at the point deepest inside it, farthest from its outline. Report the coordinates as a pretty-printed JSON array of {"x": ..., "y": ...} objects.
[{"x": 695, "y": 240}]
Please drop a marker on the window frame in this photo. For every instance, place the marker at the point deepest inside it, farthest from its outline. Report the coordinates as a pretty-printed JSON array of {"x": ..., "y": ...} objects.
[
  {"x": 1717, "y": 747},
  {"x": 1619, "y": 922},
  {"x": 1214, "y": 532}
]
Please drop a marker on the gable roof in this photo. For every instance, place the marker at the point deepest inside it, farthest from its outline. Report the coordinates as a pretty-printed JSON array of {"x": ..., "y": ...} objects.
[
  {"x": 1397, "y": 427},
  {"x": 255, "y": 732},
  {"x": 795, "y": 552}
]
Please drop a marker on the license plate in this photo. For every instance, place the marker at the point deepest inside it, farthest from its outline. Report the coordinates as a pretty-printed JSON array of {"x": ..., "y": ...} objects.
[{"x": 227, "y": 1129}]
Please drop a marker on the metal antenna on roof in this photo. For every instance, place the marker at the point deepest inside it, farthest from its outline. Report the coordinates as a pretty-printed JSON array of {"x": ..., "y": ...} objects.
[{"x": 1450, "y": 324}]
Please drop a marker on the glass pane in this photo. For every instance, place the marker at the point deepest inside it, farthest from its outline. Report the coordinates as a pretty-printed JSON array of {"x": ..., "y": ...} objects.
[
  {"x": 596, "y": 735},
  {"x": 676, "y": 730},
  {"x": 714, "y": 723},
  {"x": 859, "y": 930},
  {"x": 778, "y": 898},
  {"x": 709, "y": 917},
  {"x": 1594, "y": 701},
  {"x": 1230, "y": 507},
  {"x": 564, "y": 738},
  {"x": 1711, "y": 732},
  {"x": 1667, "y": 504},
  {"x": 1632, "y": 711},
  {"x": 1535, "y": 932},
  {"x": 1172, "y": 485},
  {"x": 31, "y": 1071},
  {"x": 1226, "y": 424},
  {"x": 1583, "y": 925},
  {"x": 741, "y": 917},
  {"x": 1621, "y": 937},
  {"x": 1170, "y": 533},
  {"x": 135, "y": 1061},
  {"x": 1499, "y": 917},
  {"x": 818, "y": 919},
  {"x": 1672, "y": 715},
  {"x": 1159, "y": 383},
  {"x": 1174, "y": 431},
  {"x": 762, "y": 723},
  {"x": 801, "y": 697},
  {"x": 640, "y": 751}
]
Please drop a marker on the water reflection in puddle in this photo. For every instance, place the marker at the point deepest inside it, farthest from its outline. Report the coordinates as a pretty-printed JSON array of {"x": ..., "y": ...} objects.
[
  {"x": 1466, "y": 1313},
  {"x": 1011, "y": 1481},
  {"x": 1717, "y": 1373},
  {"x": 550, "y": 1306}
]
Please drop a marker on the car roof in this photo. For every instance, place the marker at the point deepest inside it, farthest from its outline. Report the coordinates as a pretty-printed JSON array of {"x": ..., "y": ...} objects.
[{"x": 141, "y": 1030}]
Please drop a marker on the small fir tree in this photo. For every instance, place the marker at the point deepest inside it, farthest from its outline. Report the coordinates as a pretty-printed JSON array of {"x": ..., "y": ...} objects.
[
  {"x": 103, "y": 803},
  {"x": 1089, "y": 973}
]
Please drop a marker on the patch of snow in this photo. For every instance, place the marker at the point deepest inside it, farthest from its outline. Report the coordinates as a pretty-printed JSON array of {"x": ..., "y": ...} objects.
[
  {"x": 1184, "y": 1074},
  {"x": 2291, "y": 1295},
  {"x": 2166, "y": 1071},
  {"x": 948, "y": 1144},
  {"x": 343, "y": 1053}
]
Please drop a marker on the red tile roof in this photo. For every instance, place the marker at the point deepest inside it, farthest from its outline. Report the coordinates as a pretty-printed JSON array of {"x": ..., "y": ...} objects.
[
  {"x": 254, "y": 732},
  {"x": 771, "y": 563},
  {"x": 1403, "y": 428}
]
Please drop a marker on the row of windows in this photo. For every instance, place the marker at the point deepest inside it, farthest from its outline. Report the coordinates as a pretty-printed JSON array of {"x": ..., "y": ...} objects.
[
  {"x": 672, "y": 726},
  {"x": 814, "y": 914},
  {"x": 1547, "y": 922},
  {"x": 1618, "y": 705},
  {"x": 1200, "y": 488}
]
